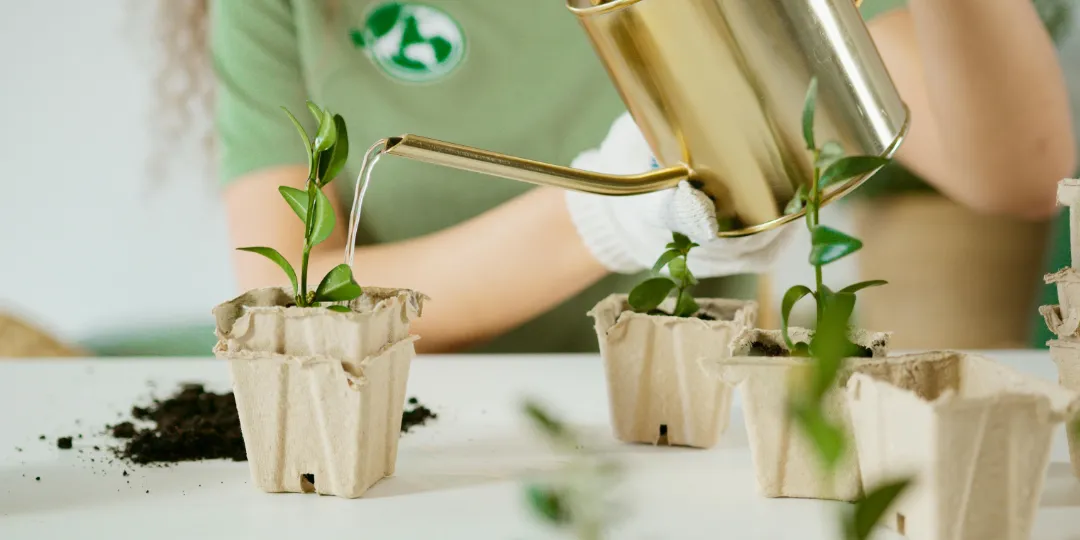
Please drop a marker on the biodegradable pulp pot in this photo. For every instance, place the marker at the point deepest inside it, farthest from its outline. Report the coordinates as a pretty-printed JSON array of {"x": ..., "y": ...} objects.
[
  {"x": 973, "y": 434},
  {"x": 658, "y": 391},
  {"x": 1067, "y": 281},
  {"x": 785, "y": 461},
  {"x": 1066, "y": 354},
  {"x": 319, "y": 393}
]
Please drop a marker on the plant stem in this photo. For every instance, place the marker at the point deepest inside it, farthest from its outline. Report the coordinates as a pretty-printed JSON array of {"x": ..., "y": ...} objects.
[
  {"x": 303, "y": 275},
  {"x": 683, "y": 284},
  {"x": 309, "y": 228},
  {"x": 813, "y": 217}
]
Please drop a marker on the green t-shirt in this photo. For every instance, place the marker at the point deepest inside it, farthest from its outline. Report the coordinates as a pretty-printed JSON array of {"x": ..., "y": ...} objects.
[{"x": 512, "y": 76}]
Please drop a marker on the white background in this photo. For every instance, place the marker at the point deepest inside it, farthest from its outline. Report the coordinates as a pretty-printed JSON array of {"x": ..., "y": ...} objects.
[{"x": 90, "y": 244}]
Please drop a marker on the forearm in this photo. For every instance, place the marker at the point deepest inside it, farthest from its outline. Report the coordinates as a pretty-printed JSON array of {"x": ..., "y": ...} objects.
[
  {"x": 991, "y": 122},
  {"x": 485, "y": 276}
]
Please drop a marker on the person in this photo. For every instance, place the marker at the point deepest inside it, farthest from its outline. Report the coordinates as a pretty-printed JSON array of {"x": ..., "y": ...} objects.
[
  {"x": 515, "y": 268},
  {"x": 973, "y": 258}
]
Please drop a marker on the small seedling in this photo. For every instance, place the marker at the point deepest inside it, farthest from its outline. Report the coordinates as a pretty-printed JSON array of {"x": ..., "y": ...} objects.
[
  {"x": 576, "y": 499},
  {"x": 326, "y": 155},
  {"x": 647, "y": 296}
]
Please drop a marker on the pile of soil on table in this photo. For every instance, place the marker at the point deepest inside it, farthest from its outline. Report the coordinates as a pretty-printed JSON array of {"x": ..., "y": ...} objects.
[{"x": 194, "y": 424}]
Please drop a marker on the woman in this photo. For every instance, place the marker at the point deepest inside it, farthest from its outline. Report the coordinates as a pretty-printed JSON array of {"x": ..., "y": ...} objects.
[
  {"x": 513, "y": 268},
  {"x": 975, "y": 264}
]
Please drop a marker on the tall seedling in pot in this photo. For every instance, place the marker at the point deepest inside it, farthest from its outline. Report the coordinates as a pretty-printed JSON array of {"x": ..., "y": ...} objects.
[
  {"x": 830, "y": 344},
  {"x": 326, "y": 155}
]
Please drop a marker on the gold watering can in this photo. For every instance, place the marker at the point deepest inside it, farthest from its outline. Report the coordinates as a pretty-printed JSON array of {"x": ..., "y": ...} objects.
[{"x": 717, "y": 87}]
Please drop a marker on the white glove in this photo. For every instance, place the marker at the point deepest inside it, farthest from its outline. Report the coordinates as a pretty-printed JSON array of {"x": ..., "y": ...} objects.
[{"x": 628, "y": 233}]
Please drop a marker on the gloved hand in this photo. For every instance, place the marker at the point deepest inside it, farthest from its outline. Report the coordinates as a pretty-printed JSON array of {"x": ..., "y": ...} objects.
[{"x": 628, "y": 233}]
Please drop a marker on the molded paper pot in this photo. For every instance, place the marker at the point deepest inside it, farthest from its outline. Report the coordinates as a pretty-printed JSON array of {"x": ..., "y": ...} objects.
[
  {"x": 974, "y": 434},
  {"x": 658, "y": 391},
  {"x": 319, "y": 393},
  {"x": 1066, "y": 354},
  {"x": 785, "y": 461},
  {"x": 1067, "y": 281}
]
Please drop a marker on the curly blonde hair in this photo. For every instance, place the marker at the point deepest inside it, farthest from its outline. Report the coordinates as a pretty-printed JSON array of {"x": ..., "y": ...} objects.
[
  {"x": 182, "y": 100},
  {"x": 183, "y": 82}
]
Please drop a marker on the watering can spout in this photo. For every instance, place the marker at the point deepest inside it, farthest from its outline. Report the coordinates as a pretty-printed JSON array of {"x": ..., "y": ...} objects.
[
  {"x": 533, "y": 172},
  {"x": 716, "y": 88}
]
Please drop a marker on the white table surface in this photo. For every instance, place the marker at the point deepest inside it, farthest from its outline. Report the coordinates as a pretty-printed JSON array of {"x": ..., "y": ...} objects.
[{"x": 459, "y": 477}]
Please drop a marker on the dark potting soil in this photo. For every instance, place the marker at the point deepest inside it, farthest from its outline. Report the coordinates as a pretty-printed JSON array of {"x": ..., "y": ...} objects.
[
  {"x": 195, "y": 424},
  {"x": 191, "y": 425},
  {"x": 700, "y": 315},
  {"x": 417, "y": 415},
  {"x": 767, "y": 349},
  {"x": 123, "y": 430},
  {"x": 775, "y": 350}
]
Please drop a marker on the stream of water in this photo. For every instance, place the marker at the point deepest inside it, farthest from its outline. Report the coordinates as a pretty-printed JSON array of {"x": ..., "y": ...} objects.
[{"x": 362, "y": 181}]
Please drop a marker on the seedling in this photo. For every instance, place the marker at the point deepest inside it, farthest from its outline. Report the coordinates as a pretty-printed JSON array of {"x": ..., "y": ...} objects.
[
  {"x": 576, "y": 499},
  {"x": 830, "y": 344},
  {"x": 647, "y": 296},
  {"x": 326, "y": 154}
]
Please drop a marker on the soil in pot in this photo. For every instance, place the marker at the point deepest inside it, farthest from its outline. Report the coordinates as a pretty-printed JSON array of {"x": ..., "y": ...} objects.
[
  {"x": 775, "y": 350},
  {"x": 785, "y": 462},
  {"x": 699, "y": 315},
  {"x": 657, "y": 393}
]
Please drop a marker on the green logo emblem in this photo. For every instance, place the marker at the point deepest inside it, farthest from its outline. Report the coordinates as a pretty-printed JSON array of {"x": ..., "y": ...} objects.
[{"x": 411, "y": 42}]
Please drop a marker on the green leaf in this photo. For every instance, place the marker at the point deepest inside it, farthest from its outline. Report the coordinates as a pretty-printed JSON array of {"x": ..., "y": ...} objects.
[
  {"x": 679, "y": 272},
  {"x": 278, "y": 258},
  {"x": 338, "y": 286},
  {"x": 863, "y": 285},
  {"x": 798, "y": 201},
  {"x": 339, "y": 309},
  {"x": 830, "y": 245},
  {"x": 297, "y": 199},
  {"x": 316, "y": 112},
  {"x": 545, "y": 421},
  {"x": 801, "y": 349},
  {"x": 850, "y": 167},
  {"x": 686, "y": 305},
  {"x": 837, "y": 312},
  {"x": 548, "y": 504},
  {"x": 680, "y": 242},
  {"x": 665, "y": 259},
  {"x": 791, "y": 297},
  {"x": 827, "y": 439},
  {"x": 831, "y": 336},
  {"x": 323, "y": 219},
  {"x": 327, "y": 135},
  {"x": 332, "y": 162},
  {"x": 808, "y": 114},
  {"x": 725, "y": 223},
  {"x": 871, "y": 508},
  {"x": 830, "y": 344},
  {"x": 303, "y": 135},
  {"x": 649, "y": 294},
  {"x": 829, "y": 153}
]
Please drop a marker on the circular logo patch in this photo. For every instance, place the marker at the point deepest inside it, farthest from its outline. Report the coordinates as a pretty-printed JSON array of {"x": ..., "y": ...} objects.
[{"x": 411, "y": 42}]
